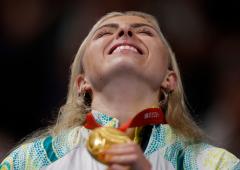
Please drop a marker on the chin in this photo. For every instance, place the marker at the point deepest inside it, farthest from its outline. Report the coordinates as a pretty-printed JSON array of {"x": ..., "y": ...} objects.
[
  {"x": 125, "y": 64},
  {"x": 126, "y": 60}
]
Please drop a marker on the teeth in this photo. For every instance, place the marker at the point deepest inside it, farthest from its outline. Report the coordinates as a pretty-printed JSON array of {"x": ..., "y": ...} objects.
[{"x": 125, "y": 47}]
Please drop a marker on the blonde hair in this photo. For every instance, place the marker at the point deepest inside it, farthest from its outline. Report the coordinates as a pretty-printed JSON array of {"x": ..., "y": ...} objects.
[{"x": 73, "y": 113}]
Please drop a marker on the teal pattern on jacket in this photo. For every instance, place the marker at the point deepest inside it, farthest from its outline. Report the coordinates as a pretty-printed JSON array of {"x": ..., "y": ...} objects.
[{"x": 175, "y": 149}]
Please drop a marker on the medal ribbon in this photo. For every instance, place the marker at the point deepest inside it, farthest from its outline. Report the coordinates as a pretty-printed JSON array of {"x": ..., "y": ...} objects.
[{"x": 149, "y": 116}]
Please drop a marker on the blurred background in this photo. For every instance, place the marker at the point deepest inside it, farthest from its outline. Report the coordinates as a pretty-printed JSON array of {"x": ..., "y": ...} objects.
[{"x": 39, "y": 38}]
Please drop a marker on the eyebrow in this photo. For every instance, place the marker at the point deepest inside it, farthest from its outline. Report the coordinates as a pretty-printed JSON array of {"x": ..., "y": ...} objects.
[{"x": 134, "y": 25}]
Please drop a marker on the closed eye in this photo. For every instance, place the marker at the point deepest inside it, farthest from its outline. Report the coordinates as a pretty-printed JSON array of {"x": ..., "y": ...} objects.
[
  {"x": 102, "y": 33},
  {"x": 144, "y": 31},
  {"x": 147, "y": 33}
]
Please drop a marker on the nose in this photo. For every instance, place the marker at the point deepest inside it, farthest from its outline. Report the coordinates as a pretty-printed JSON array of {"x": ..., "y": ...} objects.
[{"x": 124, "y": 33}]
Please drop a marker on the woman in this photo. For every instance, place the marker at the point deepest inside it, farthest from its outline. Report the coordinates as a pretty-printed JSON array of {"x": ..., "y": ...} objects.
[{"x": 123, "y": 72}]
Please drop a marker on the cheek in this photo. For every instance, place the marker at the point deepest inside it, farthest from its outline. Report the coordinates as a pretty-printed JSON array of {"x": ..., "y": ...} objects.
[
  {"x": 94, "y": 60},
  {"x": 157, "y": 63},
  {"x": 92, "y": 56},
  {"x": 159, "y": 56},
  {"x": 88, "y": 62}
]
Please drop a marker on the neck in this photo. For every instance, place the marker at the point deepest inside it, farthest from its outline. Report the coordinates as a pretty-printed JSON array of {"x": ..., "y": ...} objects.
[{"x": 123, "y": 99}]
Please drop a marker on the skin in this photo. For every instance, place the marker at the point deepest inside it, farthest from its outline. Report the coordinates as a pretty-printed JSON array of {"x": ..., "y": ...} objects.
[{"x": 125, "y": 82}]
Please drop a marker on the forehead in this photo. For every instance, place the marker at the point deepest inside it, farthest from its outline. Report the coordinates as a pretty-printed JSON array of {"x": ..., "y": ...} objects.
[{"x": 125, "y": 20}]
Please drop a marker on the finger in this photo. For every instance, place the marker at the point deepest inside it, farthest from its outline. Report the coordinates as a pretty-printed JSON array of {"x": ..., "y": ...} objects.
[
  {"x": 123, "y": 159},
  {"x": 123, "y": 149},
  {"x": 123, "y": 145},
  {"x": 118, "y": 167}
]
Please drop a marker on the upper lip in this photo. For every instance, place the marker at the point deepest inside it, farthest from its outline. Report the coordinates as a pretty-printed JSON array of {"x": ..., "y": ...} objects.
[{"x": 124, "y": 43}]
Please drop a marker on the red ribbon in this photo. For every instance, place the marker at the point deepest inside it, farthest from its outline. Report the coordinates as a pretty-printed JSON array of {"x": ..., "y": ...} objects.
[{"x": 150, "y": 116}]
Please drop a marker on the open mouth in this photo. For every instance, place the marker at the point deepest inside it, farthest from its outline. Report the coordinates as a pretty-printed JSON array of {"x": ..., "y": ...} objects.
[{"x": 123, "y": 46}]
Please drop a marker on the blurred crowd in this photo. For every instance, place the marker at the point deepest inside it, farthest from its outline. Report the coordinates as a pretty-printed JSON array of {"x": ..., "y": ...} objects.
[{"x": 39, "y": 38}]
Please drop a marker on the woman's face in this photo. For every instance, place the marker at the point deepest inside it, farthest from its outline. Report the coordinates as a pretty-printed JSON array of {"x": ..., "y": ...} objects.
[{"x": 126, "y": 45}]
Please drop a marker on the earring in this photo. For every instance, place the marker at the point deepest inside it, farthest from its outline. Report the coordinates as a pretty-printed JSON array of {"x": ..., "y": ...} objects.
[
  {"x": 164, "y": 100},
  {"x": 82, "y": 94},
  {"x": 86, "y": 97}
]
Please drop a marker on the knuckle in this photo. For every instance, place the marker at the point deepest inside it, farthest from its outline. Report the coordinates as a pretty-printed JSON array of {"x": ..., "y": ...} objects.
[
  {"x": 134, "y": 157},
  {"x": 132, "y": 149}
]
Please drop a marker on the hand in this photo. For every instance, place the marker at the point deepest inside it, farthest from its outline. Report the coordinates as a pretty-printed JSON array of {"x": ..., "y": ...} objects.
[{"x": 125, "y": 157}]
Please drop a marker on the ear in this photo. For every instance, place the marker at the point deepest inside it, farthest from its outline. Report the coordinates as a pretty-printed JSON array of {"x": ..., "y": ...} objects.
[
  {"x": 170, "y": 81},
  {"x": 82, "y": 84}
]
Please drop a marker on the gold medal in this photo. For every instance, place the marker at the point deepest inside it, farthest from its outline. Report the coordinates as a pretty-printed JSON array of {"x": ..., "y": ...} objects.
[{"x": 102, "y": 138}]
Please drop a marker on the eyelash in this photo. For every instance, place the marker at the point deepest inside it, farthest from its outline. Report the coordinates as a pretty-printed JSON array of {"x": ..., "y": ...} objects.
[
  {"x": 107, "y": 32},
  {"x": 102, "y": 33},
  {"x": 145, "y": 31}
]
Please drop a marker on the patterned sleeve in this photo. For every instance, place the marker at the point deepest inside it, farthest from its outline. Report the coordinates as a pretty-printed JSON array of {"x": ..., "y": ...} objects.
[
  {"x": 6, "y": 164},
  {"x": 214, "y": 158},
  {"x": 42, "y": 152},
  {"x": 30, "y": 156},
  {"x": 16, "y": 160}
]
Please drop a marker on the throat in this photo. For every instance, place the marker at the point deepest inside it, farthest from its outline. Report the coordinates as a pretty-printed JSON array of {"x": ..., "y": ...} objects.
[
  {"x": 123, "y": 100},
  {"x": 124, "y": 104}
]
